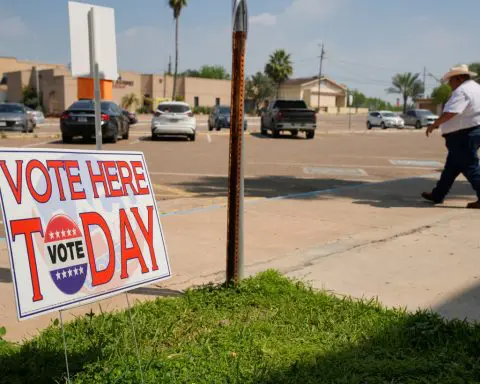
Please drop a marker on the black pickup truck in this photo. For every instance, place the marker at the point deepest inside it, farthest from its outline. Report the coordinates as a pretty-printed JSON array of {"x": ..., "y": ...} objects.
[{"x": 288, "y": 116}]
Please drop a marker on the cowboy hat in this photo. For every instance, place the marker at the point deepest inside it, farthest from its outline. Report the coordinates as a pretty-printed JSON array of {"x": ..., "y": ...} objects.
[{"x": 458, "y": 71}]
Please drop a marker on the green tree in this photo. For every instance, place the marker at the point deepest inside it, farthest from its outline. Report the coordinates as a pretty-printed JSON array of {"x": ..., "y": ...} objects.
[
  {"x": 130, "y": 100},
  {"x": 279, "y": 67},
  {"x": 259, "y": 87},
  {"x": 475, "y": 67},
  {"x": 30, "y": 97},
  {"x": 176, "y": 6},
  {"x": 208, "y": 72},
  {"x": 359, "y": 99},
  {"x": 441, "y": 94},
  {"x": 408, "y": 85}
]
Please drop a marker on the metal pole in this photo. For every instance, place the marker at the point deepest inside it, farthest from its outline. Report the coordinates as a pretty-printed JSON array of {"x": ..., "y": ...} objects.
[
  {"x": 96, "y": 78},
  {"x": 37, "y": 86},
  {"x": 320, "y": 76},
  {"x": 65, "y": 346},
  {"x": 135, "y": 338},
  {"x": 235, "y": 180}
]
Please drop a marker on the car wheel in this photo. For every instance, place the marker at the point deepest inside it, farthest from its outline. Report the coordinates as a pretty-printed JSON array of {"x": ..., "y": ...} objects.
[
  {"x": 114, "y": 138},
  {"x": 275, "y": 133},
  {"x": 310, "y": 135},
  {"x": 263, "y": 131},
  {"x": 418, "y": 124},
  {"x": 126, "y": 134},
  {"x": 369, "y": 125},
  {"x": 383, "y": 126},
  {"x": 217, "y": 126},
  {"x": 192, "y": 137},
  {"x": 294, "y": 133},
  {"x": 210, "y": 127},
  {"x": 154, "y": 137},
  {"x": 67, "y": 139}
]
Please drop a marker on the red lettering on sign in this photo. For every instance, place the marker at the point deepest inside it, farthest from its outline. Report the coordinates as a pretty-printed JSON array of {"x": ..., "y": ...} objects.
[
  {"x": 107, "y": 165},
  {"x": 27, "y": 228},
  {"x": 147, "y": 233},
  {"x": 56, "y": 165},
  {"x": 97, "y": 178},
  {"x": 90, "y": 219},
  {"x": 16, "y": 189},
  {"x": 126, "y": 179},
  {"x": 139, "y": 177},
  {"x": 31, "y": 166},
  {"x": 74, "y": 179},
  {"x": 134, "y": 251}
]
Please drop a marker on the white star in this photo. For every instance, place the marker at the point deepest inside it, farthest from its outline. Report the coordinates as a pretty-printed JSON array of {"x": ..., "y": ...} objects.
[
  {"x": 64, "y": 274},
  {"x": 75, "y": 271},
  {"x": 52, "y": 235},
  {"x": 63, "y": 233},
  {"x": 74, "y": 231},
  {"x": 81, "y": 270},
  {"x": 70, "y": 273},
  {"x": 69, "y": 232},
  {"x": 58, "y": 276},
  {"x": 57, "y": 234}
]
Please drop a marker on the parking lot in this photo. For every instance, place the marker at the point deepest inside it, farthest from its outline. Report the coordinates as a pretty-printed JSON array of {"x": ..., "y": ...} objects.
[{"x": 197, "y": 171}]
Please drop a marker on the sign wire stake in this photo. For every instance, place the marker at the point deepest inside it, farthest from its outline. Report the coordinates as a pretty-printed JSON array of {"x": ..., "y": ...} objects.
[
  {"x": 134, "y": 338},
  {"x": 65, "y": 347}
]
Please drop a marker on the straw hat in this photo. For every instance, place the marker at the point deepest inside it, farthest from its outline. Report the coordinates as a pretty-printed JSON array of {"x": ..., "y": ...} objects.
[{"x": 458, "y": 71}]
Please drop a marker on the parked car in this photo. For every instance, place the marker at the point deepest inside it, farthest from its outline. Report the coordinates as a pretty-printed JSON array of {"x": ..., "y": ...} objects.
[
  {"x": 174, "y": 118},
  {"x": 420, "y": 118},
  {"x": 220, "y": 118},
  {"x": 36, "y": 117},
  {"x": 14, "y": 117},
  {"x": 79, "y": 120},
  {"x": 288, "y": 115},
  {"x": 132, "y": 116},
  {"x": 384, "y": 119}
]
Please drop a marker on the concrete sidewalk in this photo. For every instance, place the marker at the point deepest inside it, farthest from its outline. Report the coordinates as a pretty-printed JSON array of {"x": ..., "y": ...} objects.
[{"x": 371, "y": 240}]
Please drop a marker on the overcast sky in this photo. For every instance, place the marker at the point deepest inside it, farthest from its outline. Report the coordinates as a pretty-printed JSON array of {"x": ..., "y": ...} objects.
[{"x": 366, "y": 41}]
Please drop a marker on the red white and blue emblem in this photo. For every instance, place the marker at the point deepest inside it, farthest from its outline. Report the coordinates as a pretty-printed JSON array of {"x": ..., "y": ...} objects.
[{"x": 66, "y": 254}]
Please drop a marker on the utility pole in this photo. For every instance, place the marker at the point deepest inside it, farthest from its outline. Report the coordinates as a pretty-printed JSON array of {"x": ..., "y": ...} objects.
[
  {"x": 170, "y": 66},
  {"x": 322, "y": 56},
  {"x": 424, "y": 82},
  {"x": 37, "y": 86}
]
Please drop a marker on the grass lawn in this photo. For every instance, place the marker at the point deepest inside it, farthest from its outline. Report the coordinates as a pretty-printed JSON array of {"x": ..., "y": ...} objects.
[{"x": 267, "y": 330}]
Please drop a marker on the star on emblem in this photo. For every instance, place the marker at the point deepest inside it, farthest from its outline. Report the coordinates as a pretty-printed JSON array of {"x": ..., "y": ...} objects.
[
  {"x": 75, "y": 271},
  {"x": 59, "y": 277},
  {"x": 52, "y": 235},
  {"x": 57, "y": 234},
  {"x": 69, "y": 233},
  {"x": 81, "y": 270},
  {"x": 63, "y": 233},
  {"x": 64, "y": 274},
  {"x": 70, "y": 273},
  {"x": 74, "y": 231}
]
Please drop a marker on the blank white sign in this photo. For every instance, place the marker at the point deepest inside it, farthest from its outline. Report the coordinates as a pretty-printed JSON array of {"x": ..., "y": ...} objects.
[{"x": 105, "y": 40}]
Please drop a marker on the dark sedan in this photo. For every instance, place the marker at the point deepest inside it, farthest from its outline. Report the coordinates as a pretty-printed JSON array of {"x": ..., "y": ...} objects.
[
  {"x": 220, "y": 118},
  {"x": 79, "y": 120},
  {"x": 132, "y": 116},
  {"x": 15, "y": 117}
]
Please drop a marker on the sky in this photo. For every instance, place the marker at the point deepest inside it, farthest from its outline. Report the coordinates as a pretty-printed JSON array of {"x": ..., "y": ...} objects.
[{"x": 366, "y": 41}]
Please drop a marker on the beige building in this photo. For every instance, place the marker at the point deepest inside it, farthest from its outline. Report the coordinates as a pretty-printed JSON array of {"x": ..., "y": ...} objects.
[
  {"x": 59, "y": 89},
  {"x": 332, "y": 95}
]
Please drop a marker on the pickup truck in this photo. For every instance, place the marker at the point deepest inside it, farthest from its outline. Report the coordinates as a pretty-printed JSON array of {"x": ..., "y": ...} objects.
[{"x": 288, "y": 116}]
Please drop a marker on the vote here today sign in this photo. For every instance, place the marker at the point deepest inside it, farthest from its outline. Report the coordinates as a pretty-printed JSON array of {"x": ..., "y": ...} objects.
[{"x": 80, "y": 226}]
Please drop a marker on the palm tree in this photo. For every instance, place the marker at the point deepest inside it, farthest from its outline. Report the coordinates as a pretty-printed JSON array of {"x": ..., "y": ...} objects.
[
  {"x": 408, "y": 85},
  {"x": 279, "y": 67},
  {"x": 130, "y": 100},
  {"x": 177, "y": 6}
]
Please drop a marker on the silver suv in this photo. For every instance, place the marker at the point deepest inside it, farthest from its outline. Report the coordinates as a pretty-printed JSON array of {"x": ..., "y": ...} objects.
[
  {"x": 384, "y": 119},
  {"x": 420, "y": 118}
]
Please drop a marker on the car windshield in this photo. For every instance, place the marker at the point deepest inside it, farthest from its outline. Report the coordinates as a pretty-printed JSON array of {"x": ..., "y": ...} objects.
[
  {"x": 224, "y": 110},
  {"x": 11, "y": 108},
  {"x": 290, "y": 104},
  {"x": 425, "y": 112},
  {"x": 173, "y": 108},
  {"x": 388, "y": 114},
  {"x": 88, "y": 105}
]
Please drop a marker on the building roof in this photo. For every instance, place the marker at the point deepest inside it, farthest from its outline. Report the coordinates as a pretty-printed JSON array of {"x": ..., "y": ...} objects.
[{"x": 306, "y": 80}]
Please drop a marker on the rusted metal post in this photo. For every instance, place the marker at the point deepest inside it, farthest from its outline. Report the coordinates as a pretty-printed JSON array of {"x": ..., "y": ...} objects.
[{"x": 235, "y": 176}]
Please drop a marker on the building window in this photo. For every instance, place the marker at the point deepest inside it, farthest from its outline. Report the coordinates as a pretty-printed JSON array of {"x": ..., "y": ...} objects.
[
  {"x": 217, "y": 101},
  {"x": 4, "y": 80},
  {"x": 196, "y": 102}
]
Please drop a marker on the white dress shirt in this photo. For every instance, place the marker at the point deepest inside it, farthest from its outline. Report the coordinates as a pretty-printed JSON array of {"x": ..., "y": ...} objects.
[{"x": 465, "y": 101}]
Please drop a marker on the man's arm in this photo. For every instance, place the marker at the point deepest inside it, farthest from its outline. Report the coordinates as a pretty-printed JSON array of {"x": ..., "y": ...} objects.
[{"x": 446, "y": 116}]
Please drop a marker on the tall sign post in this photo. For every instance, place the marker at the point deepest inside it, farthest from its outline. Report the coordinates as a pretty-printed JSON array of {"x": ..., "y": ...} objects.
[{"x": 236, "y": 176}]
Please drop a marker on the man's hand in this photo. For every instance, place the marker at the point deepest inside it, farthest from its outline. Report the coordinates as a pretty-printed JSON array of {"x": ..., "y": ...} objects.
[{"x": 431, "y": 128}]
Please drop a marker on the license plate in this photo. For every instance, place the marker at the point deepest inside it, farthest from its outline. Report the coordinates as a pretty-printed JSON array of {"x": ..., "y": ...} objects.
[
  {"x": 3, "y": 124},
  {"x": 82, "y": 119},
  {"x": 173, "y": 120}
]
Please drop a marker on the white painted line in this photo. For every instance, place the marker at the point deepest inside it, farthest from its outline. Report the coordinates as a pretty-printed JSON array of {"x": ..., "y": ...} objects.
[
  {"x": 417, "y": 163},
  {"x": 209, "y": 138},
  {"x": 135, "y": 142},
  {"x": 334, "y": 171},
  {"x": 37, "y": 144}
]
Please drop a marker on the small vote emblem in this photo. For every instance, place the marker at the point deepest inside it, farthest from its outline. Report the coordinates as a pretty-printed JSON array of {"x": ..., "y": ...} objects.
[{"x": 66, "y": 255}]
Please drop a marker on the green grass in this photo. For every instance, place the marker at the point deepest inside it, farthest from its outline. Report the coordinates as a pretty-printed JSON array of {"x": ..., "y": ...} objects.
[{"x": 267, "y": 330}]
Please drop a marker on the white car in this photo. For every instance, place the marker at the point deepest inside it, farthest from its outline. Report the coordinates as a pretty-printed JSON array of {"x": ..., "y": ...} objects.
[
  {"x": 174, "y": 118},
  {"x": 384, "y": 119},
  {"x": 36, "y": 117}
]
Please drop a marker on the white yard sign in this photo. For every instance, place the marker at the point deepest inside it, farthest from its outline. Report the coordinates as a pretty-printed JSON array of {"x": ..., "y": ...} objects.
[{"x": 81, "y": 226}]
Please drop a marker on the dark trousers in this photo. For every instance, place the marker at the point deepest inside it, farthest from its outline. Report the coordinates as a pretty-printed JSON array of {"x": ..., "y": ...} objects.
[{"x": 462, "y": 159}]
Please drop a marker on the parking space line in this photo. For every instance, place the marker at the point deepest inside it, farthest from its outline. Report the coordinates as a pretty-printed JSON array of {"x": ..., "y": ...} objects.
[
  {"x": 209, "y": 138},
  {"x": 37, "y": 144}
]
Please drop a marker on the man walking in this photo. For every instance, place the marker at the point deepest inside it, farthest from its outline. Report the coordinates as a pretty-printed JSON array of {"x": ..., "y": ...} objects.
[{"x": 460, "y": 126}]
